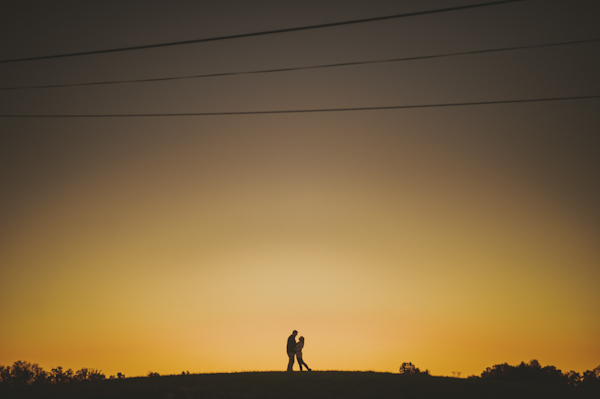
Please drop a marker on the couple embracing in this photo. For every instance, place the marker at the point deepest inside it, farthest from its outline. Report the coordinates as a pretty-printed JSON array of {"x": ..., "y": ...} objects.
[{"x": 295, "y": 349}]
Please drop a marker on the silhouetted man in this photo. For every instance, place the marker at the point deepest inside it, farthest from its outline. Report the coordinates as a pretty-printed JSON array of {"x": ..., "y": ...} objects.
[{"x": 291, "y": 349}]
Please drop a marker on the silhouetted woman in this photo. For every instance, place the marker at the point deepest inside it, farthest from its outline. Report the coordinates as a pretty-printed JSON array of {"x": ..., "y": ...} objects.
[{"x": 299, "y": 347}]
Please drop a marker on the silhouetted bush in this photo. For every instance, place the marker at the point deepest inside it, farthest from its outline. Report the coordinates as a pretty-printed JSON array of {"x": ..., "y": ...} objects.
[{"x": 409, "y": 368}]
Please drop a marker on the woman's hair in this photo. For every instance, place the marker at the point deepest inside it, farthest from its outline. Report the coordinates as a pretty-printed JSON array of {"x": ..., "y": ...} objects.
[{"x": 301, "y": 338}]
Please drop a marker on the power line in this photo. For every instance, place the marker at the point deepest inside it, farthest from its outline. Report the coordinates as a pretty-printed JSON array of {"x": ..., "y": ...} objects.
[
  {"x": 262, "y": 33},
  {"x": 300, "y": 111},
  {"x": 212, "y": 75}
]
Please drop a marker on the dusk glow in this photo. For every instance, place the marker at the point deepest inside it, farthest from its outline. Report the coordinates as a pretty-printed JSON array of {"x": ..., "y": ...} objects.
[{"x": 454, "y": 238}]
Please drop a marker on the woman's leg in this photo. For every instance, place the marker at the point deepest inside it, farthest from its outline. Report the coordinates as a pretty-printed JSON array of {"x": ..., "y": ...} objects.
[{"x": 301, "y": 363}]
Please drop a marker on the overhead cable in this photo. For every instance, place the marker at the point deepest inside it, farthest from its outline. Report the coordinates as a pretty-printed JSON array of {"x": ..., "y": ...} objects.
[
  {"x": 263, "y": 71},
  {"x": 262, "y": 33},
  {"x": 303, "y": 111}
]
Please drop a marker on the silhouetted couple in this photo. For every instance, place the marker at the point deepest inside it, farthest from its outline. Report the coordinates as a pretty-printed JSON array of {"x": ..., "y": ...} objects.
[{"x": 295, "y": 349}]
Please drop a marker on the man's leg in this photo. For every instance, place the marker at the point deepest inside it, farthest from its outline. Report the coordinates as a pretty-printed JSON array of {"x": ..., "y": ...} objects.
[{"x": 291, "y": 362}]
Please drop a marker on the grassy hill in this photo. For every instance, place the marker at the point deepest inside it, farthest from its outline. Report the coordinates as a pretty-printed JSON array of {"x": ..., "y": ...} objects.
[{"x": 307, "y": 385}]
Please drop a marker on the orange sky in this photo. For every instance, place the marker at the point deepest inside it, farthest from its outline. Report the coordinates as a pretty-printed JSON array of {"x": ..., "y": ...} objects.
[{"x": 451, "y": 238}]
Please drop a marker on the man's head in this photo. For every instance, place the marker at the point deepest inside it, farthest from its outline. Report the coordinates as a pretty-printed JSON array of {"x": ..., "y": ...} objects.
[{"x": 294, "y": 333}]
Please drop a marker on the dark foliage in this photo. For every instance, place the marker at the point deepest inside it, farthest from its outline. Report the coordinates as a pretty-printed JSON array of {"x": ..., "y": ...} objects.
[
  {"x": 86, "y": 374},
  {"x": 591, "y": 378},
  {"x": 409, "y": 368},
  {"x": 24, "y": 373},
  {"x": 314, "y": 385},
  {"x": 533, "y": 372},
  {"x": 25, "y": 380}
]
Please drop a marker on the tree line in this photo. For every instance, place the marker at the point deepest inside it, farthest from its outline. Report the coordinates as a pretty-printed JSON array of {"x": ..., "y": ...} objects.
[
  {"x": 531, "y": 372},
  {"x": 24, "y": 373},
  {"x": 535, "y": 373}
]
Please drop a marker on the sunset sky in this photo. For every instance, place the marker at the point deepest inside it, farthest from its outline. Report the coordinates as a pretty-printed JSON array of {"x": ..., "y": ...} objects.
[{"x": 454, "y": 238}]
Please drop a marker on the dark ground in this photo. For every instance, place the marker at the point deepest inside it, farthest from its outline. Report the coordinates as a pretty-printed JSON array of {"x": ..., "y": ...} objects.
[{"x": 307, "y": 385}]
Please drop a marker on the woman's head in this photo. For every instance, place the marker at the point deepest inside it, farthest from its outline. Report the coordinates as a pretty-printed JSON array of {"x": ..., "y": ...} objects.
[{"x": 301, "y": 339}]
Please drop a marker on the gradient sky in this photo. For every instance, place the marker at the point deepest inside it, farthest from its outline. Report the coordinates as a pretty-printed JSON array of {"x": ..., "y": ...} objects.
[{"x": 454, "y": 238}]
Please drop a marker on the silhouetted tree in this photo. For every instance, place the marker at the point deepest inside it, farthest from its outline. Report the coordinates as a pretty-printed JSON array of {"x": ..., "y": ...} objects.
[
  {"x": 39, "y": 375},
  {"x": 573, "y": 378},
  {"x": 81, "y": 375},
  {"x": 58, "y": 376},
  {"x": 4, "y": 374},
  {"x": 86, "y": 374},
  {"x": 591, "y": 378},
  {"x": 22, "y": 373},
  {"x": 497, "y": 371}
]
